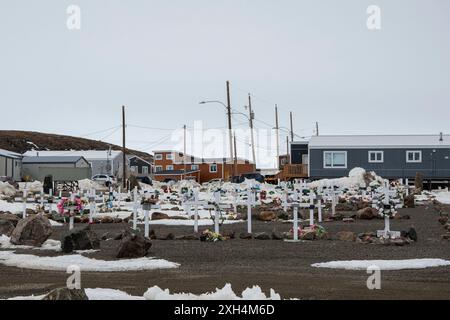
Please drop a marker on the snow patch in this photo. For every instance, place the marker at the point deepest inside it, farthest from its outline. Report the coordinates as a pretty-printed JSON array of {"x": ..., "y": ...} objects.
[
  {"x": 383, "y": 264},
  {"x": 60, "y": 263}
]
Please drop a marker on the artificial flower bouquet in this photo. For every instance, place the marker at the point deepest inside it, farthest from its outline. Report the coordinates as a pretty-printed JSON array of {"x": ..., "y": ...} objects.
[{"x": 69, "y": 207}]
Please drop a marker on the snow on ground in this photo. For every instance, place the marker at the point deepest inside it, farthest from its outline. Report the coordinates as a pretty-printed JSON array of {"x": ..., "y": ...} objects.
[
  {"x": 156, "y": 293},
  {"x": 53, "y": 245},
  {"x": 11, "y": 207},
  {"x": 35, "y": 186},
  {"x": 355, "y": 179},
  {"x": 442, "y": 196},
  {"x": 7, "y": 189},
  {"x": 384, "y": 264},
  {"x": 226, "y": 293},
  {"x": 60, "y": 263}
]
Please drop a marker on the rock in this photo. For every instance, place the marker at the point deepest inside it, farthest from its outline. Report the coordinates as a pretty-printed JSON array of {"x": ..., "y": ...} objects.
[
  {"x": 442, "y": 220},
  {"x": 281, "y": 215},
  {"x": 133, "y": 245},
  {"x": 246, "y": 236},
  {"x": 348, "y": 220},
  {"x": 344, "y": 207},
  {"x": 277, "y": 235},
  {"x": 266, "y": 216},
  {"x": 6, "y": 227},
  {"x": 446, "y": 236},
  {"x": 82, "y": 238},
  {"x": 166, "y": 236},
  {"x": 189, "y": 237},
  {"x": 447, "y": 227},
  {"x": 412, "y": 234},
  {"x": 406, "y": 217},
  {"x": 159, "y": 216},
  {"x": 367, "y": 213},
  {"x": 346, "y": 236},
  {"x": 262, "y": 236},
  {"x": 106, "y": 219},
  {"x": 32, "y": 231},
  {"x": 409, "y": 201},
  {"x": 66, "y": 294},
  {"x": 76, "y": 219},
  {"x": 360, "y": 204},
  {"x": 229, "y": 235},
  {"x": 10, "y": 217},
  {"x": 308, "y": 235},
  {"x": 398, "y": 242},
  {"x": 30, "y": 212}
]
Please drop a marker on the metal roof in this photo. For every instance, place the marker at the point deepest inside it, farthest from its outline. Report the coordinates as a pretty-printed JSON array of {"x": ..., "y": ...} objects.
[
  {"x": 380, "y": 141},
  {"x": 10, "y": 154},
  {"x": 87, "y": 154},
  {"x": 56, "y": 159}
]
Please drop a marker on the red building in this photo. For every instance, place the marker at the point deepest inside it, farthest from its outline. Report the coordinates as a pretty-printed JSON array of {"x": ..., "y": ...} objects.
[{"x": 172, "y": 165}]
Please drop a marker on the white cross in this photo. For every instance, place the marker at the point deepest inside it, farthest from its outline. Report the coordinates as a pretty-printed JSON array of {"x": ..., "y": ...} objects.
[
  {"x": 146, "y": 208},
  {"x": 135, "y": 207},
  {"x": 25, "y": 195},
  {"x": 92, "y": 205},
  {"x": 217, "y": 206},
  {"x": 250, "y": 202},
  {"x": 196, "y": 202}
]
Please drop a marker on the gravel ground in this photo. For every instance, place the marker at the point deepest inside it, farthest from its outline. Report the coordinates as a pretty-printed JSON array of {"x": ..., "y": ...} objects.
[{"x": 285, "y": 267}]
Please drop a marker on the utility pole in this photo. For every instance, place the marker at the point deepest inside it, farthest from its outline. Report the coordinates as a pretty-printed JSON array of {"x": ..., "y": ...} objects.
[
  {"x": 288, "y": 151},
  {"x": 184, "y": 153},
  {"x": 235, "y": 156},
  {"x": 229, "y": 124},
  {"x": 292, "y": 128},
  {"x": 251, "y": 117},
  {"x": 124, "y": 159},
  {"x": 277, "y": 128},
  {"x": 317, "y": 128}
]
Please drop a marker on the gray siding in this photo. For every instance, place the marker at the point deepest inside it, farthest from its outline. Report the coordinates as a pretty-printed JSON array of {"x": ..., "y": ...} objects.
[
  {"x": 435, "y": 163},
  {"x": 11, "y": 168}
]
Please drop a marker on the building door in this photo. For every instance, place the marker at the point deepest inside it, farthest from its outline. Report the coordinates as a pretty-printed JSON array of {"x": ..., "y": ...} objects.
[{"x": 305, "y": 159}]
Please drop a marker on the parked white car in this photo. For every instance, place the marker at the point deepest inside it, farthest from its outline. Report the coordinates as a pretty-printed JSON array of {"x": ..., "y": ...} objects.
[{"x": 105, "y": 179}]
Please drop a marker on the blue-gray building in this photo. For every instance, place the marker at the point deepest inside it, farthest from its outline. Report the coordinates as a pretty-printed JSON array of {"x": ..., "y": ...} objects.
[{"x": 390, "y": 156}]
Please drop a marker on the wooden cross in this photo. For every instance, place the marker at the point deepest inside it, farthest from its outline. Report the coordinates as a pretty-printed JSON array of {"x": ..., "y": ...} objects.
[
  {"x": 196, "y": 203},
  {"x": 217, "y": 206}
]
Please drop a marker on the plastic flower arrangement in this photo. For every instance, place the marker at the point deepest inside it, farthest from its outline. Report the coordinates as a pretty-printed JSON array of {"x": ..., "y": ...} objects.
[
  {"x": 68, "y": 207},
  {"x": 210, "y": 236}
]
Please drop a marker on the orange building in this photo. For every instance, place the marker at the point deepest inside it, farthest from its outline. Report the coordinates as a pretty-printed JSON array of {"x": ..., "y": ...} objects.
[{"x": 171, "y": 165}]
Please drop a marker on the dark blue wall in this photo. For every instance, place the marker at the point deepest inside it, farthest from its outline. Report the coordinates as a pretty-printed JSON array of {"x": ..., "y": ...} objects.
[
  {"x": 434, "y": 164},
  {"x": 297, "y": 152}
]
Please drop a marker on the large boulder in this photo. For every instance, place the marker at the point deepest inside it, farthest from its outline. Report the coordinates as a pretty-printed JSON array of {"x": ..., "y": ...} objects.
[
  {"x": 80, "y": 239},
  {"x": 262, "y": 236},
  {"x": 14, "y": 219},
  {"x": 32, "y": 231},
  {"x": 159, "y": 216},
  {"x": 267, "y": 216},
  {"x": 367, "y": 213},
  {"x": 6, "y": 227},
  {"x": 133, "y": 245},
  {"x": 344, "y": 207},
  {"x": 66, "y": 294}
]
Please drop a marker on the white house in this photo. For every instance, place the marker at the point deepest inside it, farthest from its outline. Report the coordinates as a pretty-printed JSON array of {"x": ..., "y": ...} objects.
[{"x": 10, "y": 165}]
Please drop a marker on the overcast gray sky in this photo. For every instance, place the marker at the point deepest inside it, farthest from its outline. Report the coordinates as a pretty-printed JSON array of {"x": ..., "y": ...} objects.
[{"x": 160, "y": 58}]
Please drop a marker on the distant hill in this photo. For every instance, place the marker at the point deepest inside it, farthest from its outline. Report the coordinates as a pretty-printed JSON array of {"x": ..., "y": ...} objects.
[{"x": 22, "y": 141}]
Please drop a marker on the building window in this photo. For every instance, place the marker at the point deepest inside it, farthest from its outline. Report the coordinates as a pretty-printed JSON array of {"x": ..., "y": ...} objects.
[
  {"x": 144, "y": 170},
  {"x": 169, "y": 168},
  {"x": 194, "y": 167},
  {"x": 158, "y": 156},
  {"x": 413, "y": 156},
  {"x": 169, "y": 156},
  {"x": 335, "y": 159},
  {"x": 158, "y": 168},
  {"x": 213, "y": 168},
  {"x": 134, "y": 169},
  {"x": 376, "y": 156}
]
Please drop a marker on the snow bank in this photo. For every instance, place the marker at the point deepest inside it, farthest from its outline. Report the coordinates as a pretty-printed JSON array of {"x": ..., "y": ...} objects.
[
  {"x": 442, "y": 196},
  {"x": 50, "y": 244},
  {"x": 226, "y": 293},
  {"x": 35, "y": 186},
  {"x": 11, "y": 207},
  {"x": 384, "y": 264},
  {"x": 155, "y": 293},
  {"x": 60, "y": 263},
  {"x": 357, "y": 178},
  {"x": 7, "y": 189},
  {"x": 88, "y": 184}
]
